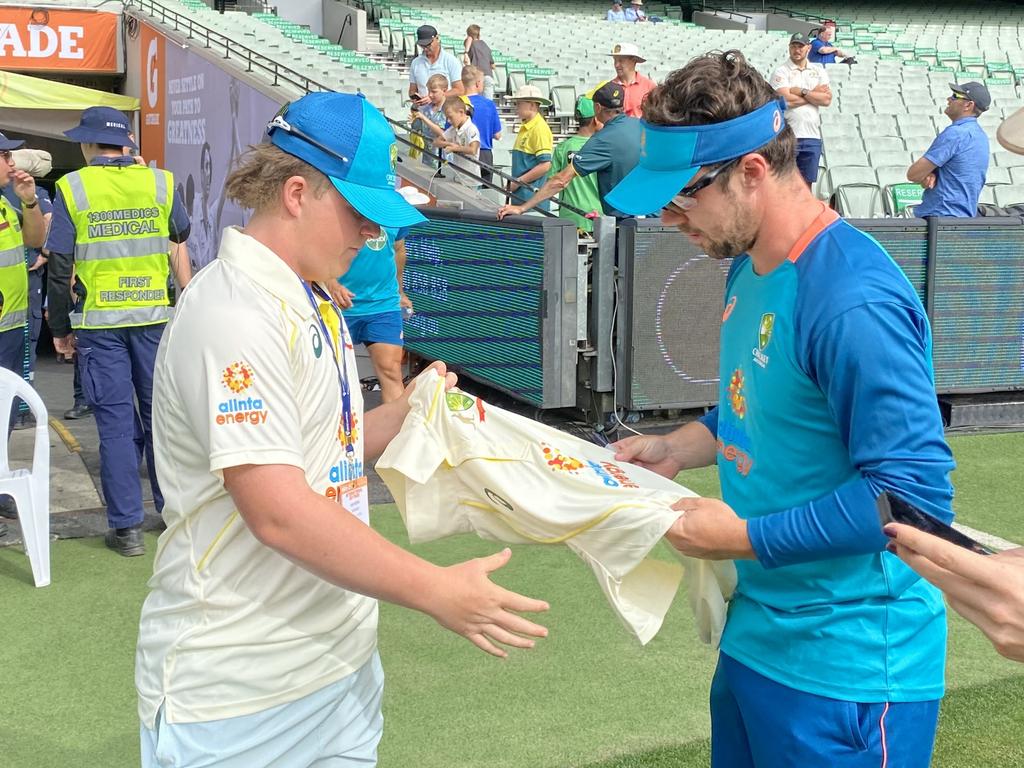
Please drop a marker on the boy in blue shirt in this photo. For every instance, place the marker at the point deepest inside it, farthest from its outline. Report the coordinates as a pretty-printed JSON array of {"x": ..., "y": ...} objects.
[
  {"x": 485, "y": 116},
  {"x": 833, "y": 652}
]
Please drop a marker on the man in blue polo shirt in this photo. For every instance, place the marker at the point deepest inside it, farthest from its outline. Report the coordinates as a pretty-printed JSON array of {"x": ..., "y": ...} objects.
[
  {"x": 833, "y": 653},
  {"x": 954, "y": 168}
]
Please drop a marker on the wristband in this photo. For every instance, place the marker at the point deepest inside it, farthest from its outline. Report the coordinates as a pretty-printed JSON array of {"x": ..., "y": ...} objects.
[{"x": 31, "y": 204}]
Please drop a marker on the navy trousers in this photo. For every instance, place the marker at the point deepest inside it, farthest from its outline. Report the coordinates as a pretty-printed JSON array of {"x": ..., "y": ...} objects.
[{"x": 116, "y": 366}]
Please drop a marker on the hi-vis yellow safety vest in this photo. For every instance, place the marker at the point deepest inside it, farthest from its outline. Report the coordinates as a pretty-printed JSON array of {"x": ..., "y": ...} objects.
[
  {"x": 122, "y": 240},
  {"x": 13, "y": 270}
]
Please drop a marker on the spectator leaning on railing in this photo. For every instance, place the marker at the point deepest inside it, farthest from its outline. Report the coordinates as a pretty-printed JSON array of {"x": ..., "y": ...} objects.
[
  {"x": 954, "y": 168},
  {"x": 531, "y": 155},
  {"x": 578, "y": 191}
]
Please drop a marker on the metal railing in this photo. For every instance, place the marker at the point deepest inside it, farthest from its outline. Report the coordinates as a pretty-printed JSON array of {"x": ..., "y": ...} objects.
[{"x": 280, "y": 74}]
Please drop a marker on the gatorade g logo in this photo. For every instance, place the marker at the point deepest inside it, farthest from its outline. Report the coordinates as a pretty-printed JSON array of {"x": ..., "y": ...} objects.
[
  {"x": 152, "y": 75},
  {"x": 378, "y": 243},
  {"x": 237, "y": 377},
  {"x": 316, "y": 340}
]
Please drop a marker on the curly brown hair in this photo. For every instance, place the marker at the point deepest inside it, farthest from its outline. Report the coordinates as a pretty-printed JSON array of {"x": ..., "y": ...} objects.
[{"x": 714, "y": 88}]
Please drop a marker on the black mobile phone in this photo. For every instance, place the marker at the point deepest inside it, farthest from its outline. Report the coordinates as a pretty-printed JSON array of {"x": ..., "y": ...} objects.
[{"x": 893, "y": 509}]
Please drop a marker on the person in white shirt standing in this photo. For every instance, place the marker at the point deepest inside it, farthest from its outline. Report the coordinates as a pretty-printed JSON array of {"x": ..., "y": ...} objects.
[
  {"x": 257, "y": 642},
  {"x": 805, "y": 87}
]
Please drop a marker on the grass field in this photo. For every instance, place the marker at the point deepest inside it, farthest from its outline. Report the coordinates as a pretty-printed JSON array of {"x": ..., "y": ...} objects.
[{"x": 587, "y": 696}]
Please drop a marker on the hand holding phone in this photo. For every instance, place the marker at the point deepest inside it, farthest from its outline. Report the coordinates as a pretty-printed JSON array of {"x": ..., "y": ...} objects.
[{"x": 893, "y": 509}]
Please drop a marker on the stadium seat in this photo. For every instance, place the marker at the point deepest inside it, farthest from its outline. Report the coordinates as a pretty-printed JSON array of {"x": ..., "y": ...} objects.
[
  {"x": 888, "y": 175},
  {"x": 1006, "y": 159},
  {"x": 885, "y": 144},
  {"x": 889, "y": 157},
  {"x": 997, "y": 176},
  {"x": 1009, "y": 195},
  {"x": 856, "y": 192}
]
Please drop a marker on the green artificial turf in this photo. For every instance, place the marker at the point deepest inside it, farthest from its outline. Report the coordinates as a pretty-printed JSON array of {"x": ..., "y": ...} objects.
[{"x": 587, "y": 696}]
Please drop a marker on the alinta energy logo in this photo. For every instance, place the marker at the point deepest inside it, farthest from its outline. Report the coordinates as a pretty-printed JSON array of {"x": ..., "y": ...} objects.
[
  {"x": 608, "y": 472},
  {"x": 237, "y": 378}
]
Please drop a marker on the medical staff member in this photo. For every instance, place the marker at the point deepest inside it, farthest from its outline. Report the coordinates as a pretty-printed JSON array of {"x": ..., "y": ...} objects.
[
  {"x": 15, "y": 236},
  {"x": 258, "y": 642},
  {"x": 834, "y": 650},
  {"x": 115, "y": 221}
]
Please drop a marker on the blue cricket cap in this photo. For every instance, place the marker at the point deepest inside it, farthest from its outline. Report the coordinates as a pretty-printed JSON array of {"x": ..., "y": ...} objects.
[
  {"x": 346, "y": 138},
  {"x": 671, "y": 155},
  {"x": 102, "y": 125},
  {"x": 6, "y": 144}
]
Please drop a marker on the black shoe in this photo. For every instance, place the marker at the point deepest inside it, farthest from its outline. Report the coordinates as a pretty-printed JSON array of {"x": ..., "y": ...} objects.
[
  {"x": 127, "y": 542},
  {"x": 78, "y": 412},
  {"x": 8, "y": 508}
]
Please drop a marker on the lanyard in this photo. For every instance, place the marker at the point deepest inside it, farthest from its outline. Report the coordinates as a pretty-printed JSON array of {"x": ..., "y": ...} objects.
[{"x": 341, "y": 368}]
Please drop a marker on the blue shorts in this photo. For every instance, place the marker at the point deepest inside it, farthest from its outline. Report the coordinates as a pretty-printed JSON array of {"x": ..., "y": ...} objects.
[
  {"x": 383, "y": 328},
  {"x": 758, "y": 722},
  {"x": 338, "y": 726},
  {"x": 808, "y": 153}
]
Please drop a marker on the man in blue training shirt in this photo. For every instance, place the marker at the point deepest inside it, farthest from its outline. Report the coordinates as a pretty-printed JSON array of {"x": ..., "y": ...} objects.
[
  {"x": 954, "y": 168},
  {"x": 834, "y": 651}
]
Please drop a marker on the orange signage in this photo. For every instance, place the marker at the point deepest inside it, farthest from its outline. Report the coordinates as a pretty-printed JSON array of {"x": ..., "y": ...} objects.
[
  {"x": 152, "y": 99},
  {"x": 58, "y": 39}
]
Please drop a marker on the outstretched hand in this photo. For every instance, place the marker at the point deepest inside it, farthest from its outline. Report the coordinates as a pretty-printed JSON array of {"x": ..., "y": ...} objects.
[{"x": 483, "y": 612}]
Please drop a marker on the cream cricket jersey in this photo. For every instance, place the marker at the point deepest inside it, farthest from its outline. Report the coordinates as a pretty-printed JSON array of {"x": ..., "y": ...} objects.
[
  {"x": 245, "y": 375},
  {"x": 460, "y": 465}
]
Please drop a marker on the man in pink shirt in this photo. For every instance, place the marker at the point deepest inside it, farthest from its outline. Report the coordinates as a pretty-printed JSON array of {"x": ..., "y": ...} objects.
[{"x": 635, "y": 86}]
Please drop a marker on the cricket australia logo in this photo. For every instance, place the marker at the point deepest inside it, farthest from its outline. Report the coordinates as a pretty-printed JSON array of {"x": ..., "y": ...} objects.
[{"x": 764, "y": 336}]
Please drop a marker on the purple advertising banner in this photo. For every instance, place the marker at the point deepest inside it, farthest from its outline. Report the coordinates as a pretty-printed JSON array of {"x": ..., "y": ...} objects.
[{"x": 210, "y": 119}]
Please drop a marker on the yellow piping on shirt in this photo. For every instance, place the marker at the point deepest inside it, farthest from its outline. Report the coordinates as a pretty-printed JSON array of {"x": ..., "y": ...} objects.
[
  {"x": 216, "y": 539},
  {"x": 553, "y": 539}
]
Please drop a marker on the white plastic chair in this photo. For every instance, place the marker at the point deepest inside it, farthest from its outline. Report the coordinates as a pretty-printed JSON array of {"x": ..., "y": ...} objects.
[{"x": 30, "y": 488}]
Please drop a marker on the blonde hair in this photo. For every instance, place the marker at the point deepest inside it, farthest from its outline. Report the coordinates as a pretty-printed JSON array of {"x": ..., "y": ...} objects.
[
  {"x": 473, "y": 30},
  {"x": 471, "y": 75},
  {"x": 255, "y": 181},
  {"x": 435, "y": 82},
  {"x": 456, "y": 103}
]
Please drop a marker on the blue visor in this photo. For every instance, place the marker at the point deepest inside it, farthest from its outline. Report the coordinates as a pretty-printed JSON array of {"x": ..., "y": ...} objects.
[{"x": 671, "y": 155}]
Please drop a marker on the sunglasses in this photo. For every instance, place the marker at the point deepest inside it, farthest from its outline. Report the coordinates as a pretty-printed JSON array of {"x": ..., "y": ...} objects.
[
  {"x": 279, "y": 123},
  {"x": 685, "y": 200},
  {"x": 7, "y": 156},
  {"x": 958, "y": 97}
]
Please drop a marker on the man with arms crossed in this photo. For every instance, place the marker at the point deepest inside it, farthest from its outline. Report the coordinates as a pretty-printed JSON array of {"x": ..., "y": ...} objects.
[
  {"x": 257, "y": 643},
  {"x": 833, "y": 652}
]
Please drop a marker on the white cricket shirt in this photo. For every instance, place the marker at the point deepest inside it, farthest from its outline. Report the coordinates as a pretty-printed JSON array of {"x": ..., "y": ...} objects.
[
  {"x": 245, "y": 376},
  {"x": 460, "y": 465}
]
